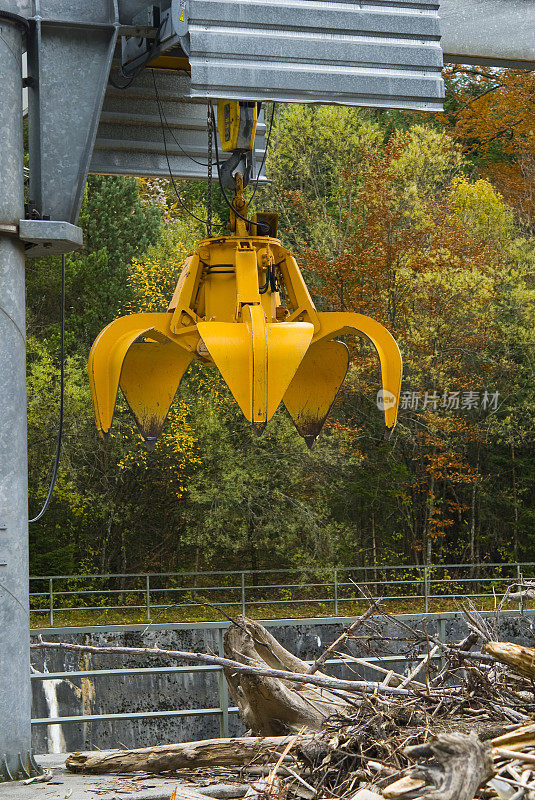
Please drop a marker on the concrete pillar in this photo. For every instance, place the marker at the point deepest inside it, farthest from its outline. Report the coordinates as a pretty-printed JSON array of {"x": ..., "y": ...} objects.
[{"x": 15, "y": 696}]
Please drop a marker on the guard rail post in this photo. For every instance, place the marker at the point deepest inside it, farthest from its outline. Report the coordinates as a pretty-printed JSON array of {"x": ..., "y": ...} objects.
[
  {"x": 243, "y": 594},
  {"x": 147, "y": 595},
  {"x": 51, "y": 601},
  {"x": 223, "y": 689},
  {"x": 335, "y": 592},
  {"x": 441, "y": 636},
  {"x": 519, "y": 580},
  {"x": 426, "y": 588}
]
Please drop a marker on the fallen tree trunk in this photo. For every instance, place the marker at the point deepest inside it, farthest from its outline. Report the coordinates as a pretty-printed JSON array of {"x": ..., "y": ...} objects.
[
  {"x": 238, "y": 751},
  {"x": 272, "y": 706},
  {"x": 514, "y": 655}
]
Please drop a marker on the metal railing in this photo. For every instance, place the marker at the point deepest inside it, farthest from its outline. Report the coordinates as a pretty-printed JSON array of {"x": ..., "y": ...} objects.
[
  {"x": 223, "y": 710},
  {"x": 325, "y": 591}
]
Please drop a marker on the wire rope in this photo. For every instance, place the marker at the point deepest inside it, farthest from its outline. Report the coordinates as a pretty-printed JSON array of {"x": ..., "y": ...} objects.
[{"x": 171, "y": 176}]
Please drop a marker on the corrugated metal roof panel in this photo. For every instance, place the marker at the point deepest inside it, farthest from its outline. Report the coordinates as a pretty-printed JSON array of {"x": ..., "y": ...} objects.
[
  {"x": 130, "y": 141},
  {"x": 381, "y": 53}
]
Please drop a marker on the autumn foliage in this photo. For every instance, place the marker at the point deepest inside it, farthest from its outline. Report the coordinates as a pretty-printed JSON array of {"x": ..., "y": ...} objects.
[
  {"x": 491, "y": 113},
  {"x": 425, "y": 250}
]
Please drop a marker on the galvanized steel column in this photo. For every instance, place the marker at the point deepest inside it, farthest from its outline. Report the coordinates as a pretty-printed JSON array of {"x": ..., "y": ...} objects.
[{"x": 15, "y": 694}]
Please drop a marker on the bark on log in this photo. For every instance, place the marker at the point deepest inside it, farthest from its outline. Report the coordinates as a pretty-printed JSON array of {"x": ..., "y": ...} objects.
[
  {"x": 273, "y": 706},
  {"x": 190, "y": 755},
  {"x": 461, "y": 764},
  {"x": 514, "y": 655}
]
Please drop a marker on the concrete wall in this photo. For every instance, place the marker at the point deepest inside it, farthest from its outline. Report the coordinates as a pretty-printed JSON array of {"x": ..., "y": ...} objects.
[{"x": 158, "y": 692}]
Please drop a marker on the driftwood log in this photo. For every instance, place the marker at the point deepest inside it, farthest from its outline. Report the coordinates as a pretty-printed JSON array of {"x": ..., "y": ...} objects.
[
  {"x": 190, "y": 755},
  {"x": 517, "y": 739},
  {"x": 459, "y": 764},
  {"x": 521, "y": 658},
  {"x": 273, "y": 706}
]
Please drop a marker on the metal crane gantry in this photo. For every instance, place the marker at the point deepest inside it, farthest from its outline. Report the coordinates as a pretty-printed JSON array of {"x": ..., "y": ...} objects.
[{"x": 78, "y": 122}]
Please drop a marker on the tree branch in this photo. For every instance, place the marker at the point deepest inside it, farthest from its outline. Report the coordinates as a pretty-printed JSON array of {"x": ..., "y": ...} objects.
[{"x": 364, "y": 687}]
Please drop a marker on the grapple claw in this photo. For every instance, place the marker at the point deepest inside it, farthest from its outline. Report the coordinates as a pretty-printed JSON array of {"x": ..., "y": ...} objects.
[
  {"x": 149, "y": 380},
  {"x": 228, "y": 309},
  {"x": 107, "y": 356},
  {"x": 256, "y": 359},
  {"x": 347, "y": 322},
  {"x": 314, "y": 387}
]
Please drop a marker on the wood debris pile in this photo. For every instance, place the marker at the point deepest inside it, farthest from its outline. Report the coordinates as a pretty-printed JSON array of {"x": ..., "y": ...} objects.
[{"x": 455, "y": 721}]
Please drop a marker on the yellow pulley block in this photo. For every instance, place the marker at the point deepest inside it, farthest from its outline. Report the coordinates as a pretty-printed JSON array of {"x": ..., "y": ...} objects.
[
  {"x": 228, "y": 310},
  {"x": 236, "y": 124}
]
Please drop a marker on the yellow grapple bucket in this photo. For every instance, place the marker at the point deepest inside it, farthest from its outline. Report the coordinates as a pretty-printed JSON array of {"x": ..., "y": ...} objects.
[{"x": 240, "y": 303}]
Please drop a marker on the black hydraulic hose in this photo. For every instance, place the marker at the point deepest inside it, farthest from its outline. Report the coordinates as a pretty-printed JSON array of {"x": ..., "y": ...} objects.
[{"x": 61, "y": 400}]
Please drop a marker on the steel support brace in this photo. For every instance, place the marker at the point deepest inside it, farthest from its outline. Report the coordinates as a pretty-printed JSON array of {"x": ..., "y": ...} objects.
[{"x": 15, "y": 692}]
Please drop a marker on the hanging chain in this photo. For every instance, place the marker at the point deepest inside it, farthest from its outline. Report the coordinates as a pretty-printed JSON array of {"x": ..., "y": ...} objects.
[{"x": 209, "y": 186}]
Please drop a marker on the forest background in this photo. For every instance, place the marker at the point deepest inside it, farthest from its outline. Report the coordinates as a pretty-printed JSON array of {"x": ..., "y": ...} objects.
[{"x": 424, "y": 223}]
